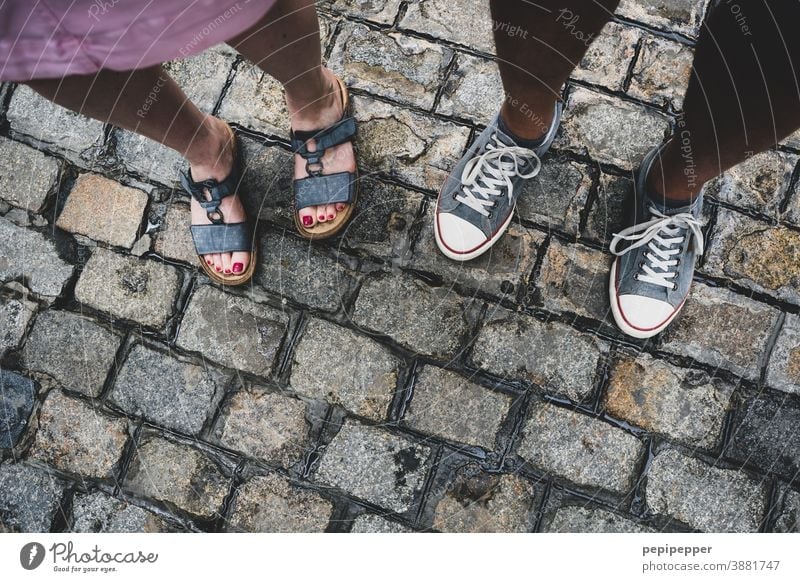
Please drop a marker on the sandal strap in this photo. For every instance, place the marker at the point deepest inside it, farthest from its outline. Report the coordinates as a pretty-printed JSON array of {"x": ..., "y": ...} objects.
[
  {"x": 340, "y": 132},
  {"x": 222, "y": 238},
  {"x": 326, "y": 189},
  {"x": 216, "y": 189}
]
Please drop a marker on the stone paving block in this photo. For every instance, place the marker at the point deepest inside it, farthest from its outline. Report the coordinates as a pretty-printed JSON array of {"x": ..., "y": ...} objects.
[
  {"x": 167, "y": 391},
  {"x": 84, "y": 366},
  {"x": 271, "y": 504},
  {"x": 381, "y": 11},
  {"x": 704, "y": 497},
  {"x": 609, "y": 130},
  {"x": 464, "y": 22},
  {"x": 129, "y": 288},
  {"x": 265, "y": 425},
  {"x": 17, "y": 397},
  {"x": 755, "y": 255},
  {"x": 473, "y": 90},
  {"x": 683, "y": 16},
  {"x": 574, "y": 279},
  {"x": 233, "y": 331},
  {"x": 722, "y": 329},
  {"x": 418, "y": 150},
  {"x": 550, "y": 355},
  {"x": 447, "y": 405},
  {"x": 383, "y": 219},
  {"x": 150, "y": 160},
  {"x": 99, "y": 513},
  {"x": 765, "y": 434},
  {"x": 578, "y": 519},
  {"x": 784, "y": 365},
  {"x": 29, "y": 255},
  {"x": 202, "y": 77},
  {"x": 788, "y": 519},
  {"x": 687, "y": 405},
  {"x": 427, "y": 320},
  {"x": 479, "y": 502},
  {"x": 75, "y": 438},
  {"x": 267, "y": 181},
  {"x": 15, "y": 315},
  {"x": 661, "y": 73},
  {"x": 57, "y": 128},
  {"x": 255, "y": 100},
  {"x": 759, "y": 183},
  {"x": 103, "y": 210},
  {"x": 399, "y": 67},
  {"x": 375, "y": 524},
  {"x": 793, "y": 141},
  {"x": 295, "y": 268},
  {"x": 29, "y": 498},
  {"x": 557, "y": 196},
  {"x": 173, "y": 238},
  {"x": 375, "y": 465},
  {"x": 500, "y": 272},
  {"x": 178, "y": 475},
  {"x": 26, "y": 189},
  {"x": 609, "y": 55},
  {"x": 347, "y": 369},
  {"x": 579, "y": 448},
  {"x": 608, "y": 214}
]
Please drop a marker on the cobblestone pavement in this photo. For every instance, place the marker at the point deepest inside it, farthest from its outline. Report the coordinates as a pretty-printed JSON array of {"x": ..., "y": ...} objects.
[{"x": 368, "y": 384}]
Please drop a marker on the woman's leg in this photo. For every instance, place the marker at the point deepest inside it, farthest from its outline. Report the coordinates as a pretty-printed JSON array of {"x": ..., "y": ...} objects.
[
  {"x": 286, "y": 45},
  {"x": 118, "y": 97}
]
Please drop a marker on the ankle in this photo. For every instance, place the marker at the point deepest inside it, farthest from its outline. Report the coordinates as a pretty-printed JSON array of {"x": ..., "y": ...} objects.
[
  {"x": 211, "y": 152},
  {"x": 311, "y": 100},
  {"x": 673, "y": 178},
  {"x": 528, "y": 122}
]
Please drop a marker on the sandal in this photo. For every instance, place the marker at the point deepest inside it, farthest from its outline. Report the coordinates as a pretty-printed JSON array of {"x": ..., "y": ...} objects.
[
  {"x": 220, "y": 237},
  {"x": 319, "y": 189}
]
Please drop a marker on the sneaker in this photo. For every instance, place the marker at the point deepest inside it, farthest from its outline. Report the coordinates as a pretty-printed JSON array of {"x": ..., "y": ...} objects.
[
  {"x": 651, "y": 275},
  {"x": 477, "y": 201}
]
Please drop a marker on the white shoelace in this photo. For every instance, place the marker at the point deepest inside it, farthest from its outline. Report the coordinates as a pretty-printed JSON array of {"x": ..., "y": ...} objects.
[
  {"x": 660, "y": 235},
  {"x": 484, "y": 176}
]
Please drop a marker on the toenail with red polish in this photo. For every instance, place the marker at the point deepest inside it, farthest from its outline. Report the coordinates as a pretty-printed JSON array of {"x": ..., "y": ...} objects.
[
  {"x": 330, "y": 217},
  {"x": 322, "y": 217},
  {"x": 237, "y": 267},
  {"x": 218, "y": 269}
]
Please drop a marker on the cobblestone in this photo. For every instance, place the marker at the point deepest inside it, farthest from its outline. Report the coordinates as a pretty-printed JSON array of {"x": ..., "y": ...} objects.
[
  {"x": 473, "y": 90},
  {"x": 272, "y": 504},
  {"x": 788, "y": 519},
  {"x": 233, "y": 331},
  {"x": 83, "y": 368},
  {"x": 41, "y": 175},
  {"x": 99, "y": 513},
  {"x": 464, "y": 22},
  {"x": 178, "y": 475},
  {"x": 255, "y": 100},
  {"x": 380, "y": 11},
  {"x": 607, "y": 59},
  {"x": 166, "y": 391},
  {"x": 17, "y": 395},
  {"x": 202, "y": 77},
  {"x": 580, "y": 449},
  {"x": 120, "y": 207},
  {"x": 375, "y": 524},
  {"x": 15, "y": 315},
  {"x": 704, "y": 497},
  {"x": 551, "y": 355},
  {"x": 375, "y": 465},
  {"x": 683, "y": 16},
  {"x": 75, "y": 438},
  {"x": 138, "y": 290},
  {"x": 577, "y": 519},
  {"x": 662, "y": 72},
  {"x": 148, "y": 159},
  {"x": 449, "y": 406},
  {"x": 345, "y": 369},
  {"x": 688, "y": 405},
  {"x": 608, "y": 214},
  {"x": 30, "y": 498},
  {"x": 784, "y": 367},
  {"x": 173, "y": 238}
]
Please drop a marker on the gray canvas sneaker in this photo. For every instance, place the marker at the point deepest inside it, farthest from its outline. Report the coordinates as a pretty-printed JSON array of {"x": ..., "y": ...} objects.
[
  {"x": 652, "y": 273},
  {"x": 477, "y": 201}
]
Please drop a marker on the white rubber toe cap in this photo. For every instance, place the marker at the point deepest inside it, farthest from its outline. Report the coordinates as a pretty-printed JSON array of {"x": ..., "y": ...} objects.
[
  {"x": 643, "y": 316},
  {"x": 457, "y": 238}
]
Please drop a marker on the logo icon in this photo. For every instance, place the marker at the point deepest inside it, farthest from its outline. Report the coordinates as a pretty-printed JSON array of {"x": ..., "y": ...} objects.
[{"x": 31, "y": 555}]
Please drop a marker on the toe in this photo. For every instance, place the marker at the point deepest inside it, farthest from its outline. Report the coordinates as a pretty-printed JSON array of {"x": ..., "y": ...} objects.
[
  {"x": 209, "y": 259},
  {"x": 330, "y": 211},
  {"x": 307, "y": 217},
  {"x": 239, "y": 262},
  {"x": 321, "y": 213},
  {"x": 340, "y": 206},
  {"x": 218, "y": 262},
  {"x": 227, "y": 263}
]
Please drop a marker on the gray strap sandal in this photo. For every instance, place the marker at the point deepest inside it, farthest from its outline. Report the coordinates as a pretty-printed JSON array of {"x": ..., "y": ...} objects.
[
  {"x": 320, "y": 189},
  {"x": 219, "y": 236}
]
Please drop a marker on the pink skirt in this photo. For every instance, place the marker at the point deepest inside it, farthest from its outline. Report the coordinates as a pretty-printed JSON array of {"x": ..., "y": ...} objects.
[{"x": 46, "y": 39}]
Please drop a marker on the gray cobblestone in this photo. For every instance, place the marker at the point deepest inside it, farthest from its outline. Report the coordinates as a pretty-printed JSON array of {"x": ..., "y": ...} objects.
[
  {"x": 232, "y": 331},
  {"x": 173, "y": 238},
  {"x": 576, "y": 447},
  {"x": 99, "y": 513},
  {"x": 41, "y": 175},
  {"x": 375, "y": 465},
  {"x": 788, "y": 519},
  {"x": 465, "y": 22},
  {"x": 551, "y": 355},
  {"x": 267, "y": 181},
  {"x": 17, "y": 395},
  {"x": 255, "y": 100},
  {"x": 129, "y": 288},
  {"x": 167, "y": 391},
  {"x": 202, "y": 77},
  {"x": 337, "y": 365},
  {"x": 683, "y": 16},
  {"x": 473, "y": 90},
  {"x": 83, "y": 368},
  {"x": 29, "y": 498},
  {"x": 272, "y": 504},
  {"x": 608, "y": 57},
  {"x": 75, "y": 438},
  {"x": 375, "y": 524},
  {"x": 687, "y": 405},
  {"x": 704, "y": 497},
  {"x": 723, "y": 329},
  {"x": 577, "y": 519},
  {"x": 150, "y": 160},
  {"x": 381, "y": 11},
  {"x": 784, "y": 366},
  {"x": 15, "y": 315},
  {"x": 608, "y": 213},
  {"x": 662, "y": 72}
]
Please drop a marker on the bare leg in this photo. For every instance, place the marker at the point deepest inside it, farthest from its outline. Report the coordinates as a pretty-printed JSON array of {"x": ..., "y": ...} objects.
[
  {"x": 743, "y": 96},
  {"x": 119, "y": 97},
  {"x": 286, "y": 45},
  {"x": 539, "y": 43}
]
